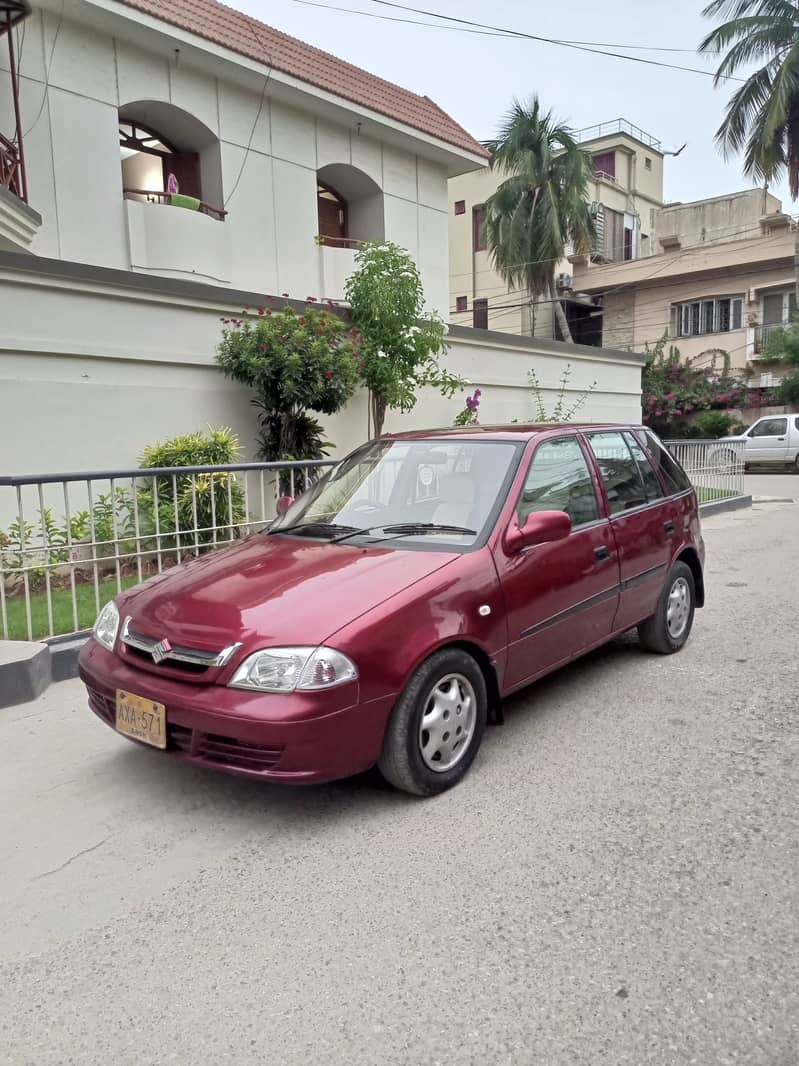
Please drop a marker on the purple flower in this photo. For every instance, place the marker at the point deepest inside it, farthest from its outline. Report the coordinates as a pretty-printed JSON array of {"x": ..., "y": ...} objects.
[{"x": 473, "y": 402}]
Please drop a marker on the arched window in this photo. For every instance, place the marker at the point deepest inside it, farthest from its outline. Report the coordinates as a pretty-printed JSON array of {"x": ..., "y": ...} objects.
[
  {"x": 333, "y": 221},
  {"x": 157, "y": 165},
  {"x": 350, "y": 206}
]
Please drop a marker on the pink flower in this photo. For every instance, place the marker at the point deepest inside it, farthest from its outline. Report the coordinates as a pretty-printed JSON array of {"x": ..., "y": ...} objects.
[
  {"x": 284, "y": 338},
  {"x": 669, "y": 395},
  {"x": 310, "y": 299},
  {"x": 284, "y": 294},
  {"x": 269, "y": 310},
  {"x": 329, "y": 374}
]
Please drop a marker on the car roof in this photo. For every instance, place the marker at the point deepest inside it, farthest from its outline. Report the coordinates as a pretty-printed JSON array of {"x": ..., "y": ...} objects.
[{"x": 513, "y": 432}]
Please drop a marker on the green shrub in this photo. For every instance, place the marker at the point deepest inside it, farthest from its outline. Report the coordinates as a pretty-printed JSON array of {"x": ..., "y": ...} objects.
[
  {"x": 189, "y": 506},
  {"x": 715, "y": 423}
]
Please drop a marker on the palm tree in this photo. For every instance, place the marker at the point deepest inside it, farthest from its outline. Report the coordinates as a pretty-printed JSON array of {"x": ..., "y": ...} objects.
[
  {"x": 542, "y": 204},
  {"x": 762, "y": 117}
]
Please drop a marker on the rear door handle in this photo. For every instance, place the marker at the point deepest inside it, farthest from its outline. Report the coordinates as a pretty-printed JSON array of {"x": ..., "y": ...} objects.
[
  {"x": 602, "y": 554},
  {"x": 669, "y": 528}
]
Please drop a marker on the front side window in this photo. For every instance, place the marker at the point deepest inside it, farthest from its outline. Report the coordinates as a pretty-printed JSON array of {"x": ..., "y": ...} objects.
[
  {"x": 559, "y": 480},
  {"x": 408, "y": 484},
  {"x": 620, "y": 474},
  {"x": 770, "y": 427}
]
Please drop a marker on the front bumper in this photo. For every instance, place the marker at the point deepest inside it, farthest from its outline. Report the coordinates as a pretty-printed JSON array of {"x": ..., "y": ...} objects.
[{"x": 298, "y": 738}]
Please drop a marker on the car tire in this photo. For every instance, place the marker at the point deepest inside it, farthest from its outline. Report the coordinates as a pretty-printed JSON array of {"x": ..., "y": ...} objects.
[
  {"x": 723, "y": 461},
  {"x": 448, "y": 688},
  {"x": 670, "y": 626}
]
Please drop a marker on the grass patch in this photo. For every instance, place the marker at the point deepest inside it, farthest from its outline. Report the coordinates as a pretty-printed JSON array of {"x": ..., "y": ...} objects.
[
  {"x": 63, "y": 616},
  {"x": 705, "y": 495}
]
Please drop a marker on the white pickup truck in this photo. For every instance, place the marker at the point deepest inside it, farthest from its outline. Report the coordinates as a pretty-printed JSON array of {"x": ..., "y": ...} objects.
[{"x": 772, "y": 440}]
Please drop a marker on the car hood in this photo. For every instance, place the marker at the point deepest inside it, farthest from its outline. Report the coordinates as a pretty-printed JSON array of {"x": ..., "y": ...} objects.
[{"x": 270, "y": 590}]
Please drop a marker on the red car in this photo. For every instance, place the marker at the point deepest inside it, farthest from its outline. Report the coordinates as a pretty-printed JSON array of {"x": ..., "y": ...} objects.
[{"x": 383, "y": 617}]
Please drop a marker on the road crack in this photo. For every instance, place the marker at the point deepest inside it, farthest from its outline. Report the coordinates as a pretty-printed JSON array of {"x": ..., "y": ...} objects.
[{"x": 73, "y": 858}]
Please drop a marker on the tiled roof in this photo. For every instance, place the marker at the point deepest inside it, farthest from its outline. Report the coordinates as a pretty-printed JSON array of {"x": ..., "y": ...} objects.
[{"x": 234, "y": 30}]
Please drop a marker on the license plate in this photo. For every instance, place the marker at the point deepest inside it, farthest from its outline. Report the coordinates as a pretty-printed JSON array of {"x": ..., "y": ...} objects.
[{"x": 141, "y": 719}]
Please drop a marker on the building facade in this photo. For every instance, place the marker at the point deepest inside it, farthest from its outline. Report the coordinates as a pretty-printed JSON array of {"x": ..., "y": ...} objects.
[
  {"x": 626, "y": 193},
  {"x": 722, "y": 278}
]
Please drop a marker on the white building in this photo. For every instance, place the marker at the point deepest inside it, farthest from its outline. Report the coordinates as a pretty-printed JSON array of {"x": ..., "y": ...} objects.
[{"x": 182, "y": 160}]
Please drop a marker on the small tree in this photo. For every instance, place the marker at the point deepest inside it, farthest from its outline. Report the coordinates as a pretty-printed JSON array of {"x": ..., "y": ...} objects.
[
  {"x": 295, "y": 362},
  {"x": 564, "y": 410},
  {"x": 401, "y": 344}
]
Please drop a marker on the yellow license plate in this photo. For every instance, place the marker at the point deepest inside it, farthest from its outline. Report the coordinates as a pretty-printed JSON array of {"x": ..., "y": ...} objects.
[{"x": 141, "y": 719}]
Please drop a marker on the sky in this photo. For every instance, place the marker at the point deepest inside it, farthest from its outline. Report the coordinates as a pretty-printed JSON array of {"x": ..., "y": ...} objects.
[{"x": 474, "y": 78}]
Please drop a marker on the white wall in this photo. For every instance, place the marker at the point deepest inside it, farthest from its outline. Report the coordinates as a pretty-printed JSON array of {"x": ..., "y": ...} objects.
[
  {"x": 91, "y": 372},
  {"x": 74, "y": 172}
]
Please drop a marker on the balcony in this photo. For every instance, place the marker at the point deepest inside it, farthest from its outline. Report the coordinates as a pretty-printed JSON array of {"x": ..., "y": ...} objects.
[
  {"x": 178, "y": 243},
  {"x": 337, "y": 264},
  {"x": 761, "y": 335}
]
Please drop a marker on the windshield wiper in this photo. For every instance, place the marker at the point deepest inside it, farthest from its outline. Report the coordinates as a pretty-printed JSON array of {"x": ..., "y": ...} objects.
[
  {"x": 325, "y": 527},
  {"x": 408, "y": 529}
]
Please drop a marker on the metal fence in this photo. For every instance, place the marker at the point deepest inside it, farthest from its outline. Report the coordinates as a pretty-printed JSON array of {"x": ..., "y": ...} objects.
[
  {"x": 716, "y": 468},
  {"x": 71, "y": 541}
]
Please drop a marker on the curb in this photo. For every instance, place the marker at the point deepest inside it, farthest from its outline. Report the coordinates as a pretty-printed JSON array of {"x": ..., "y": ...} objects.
[
  {"x": 64, "y": 652},
  {"x": 735, "y": 503},
  {"x": 25, "y": 671}
]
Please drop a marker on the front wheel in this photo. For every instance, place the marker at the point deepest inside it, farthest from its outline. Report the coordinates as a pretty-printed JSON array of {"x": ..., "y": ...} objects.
[
  {"x": 437, "y": 725},
  {"x": 670, "y": 626}
]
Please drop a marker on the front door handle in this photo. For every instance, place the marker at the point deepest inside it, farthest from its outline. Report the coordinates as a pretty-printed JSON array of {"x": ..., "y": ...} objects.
[
  {"x": 668, "y": 528},
  {"x": 602, "y": 554}
]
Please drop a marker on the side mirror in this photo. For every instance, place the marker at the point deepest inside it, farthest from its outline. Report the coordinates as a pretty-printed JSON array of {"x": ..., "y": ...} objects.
[
  {"x": 284, "y": 503},
  {"x": 540, "y": 527}
]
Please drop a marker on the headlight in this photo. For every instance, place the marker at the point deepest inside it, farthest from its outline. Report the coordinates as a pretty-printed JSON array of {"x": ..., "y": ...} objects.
[
  {"x": 287, "y": 669},
  {"x": 106, "y": 626}
]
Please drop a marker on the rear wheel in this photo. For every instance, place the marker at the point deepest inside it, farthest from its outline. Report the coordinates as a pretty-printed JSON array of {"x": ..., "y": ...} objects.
[
  {"x": 437, "y": 725},
  {"x": 670, "y": 626},
  {"x": 796, "y": 464},
  {"x": 723, "y": 461}
]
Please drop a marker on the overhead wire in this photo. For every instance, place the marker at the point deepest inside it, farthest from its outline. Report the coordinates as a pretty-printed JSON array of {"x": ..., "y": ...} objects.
[{"x": 593, "y": 48}]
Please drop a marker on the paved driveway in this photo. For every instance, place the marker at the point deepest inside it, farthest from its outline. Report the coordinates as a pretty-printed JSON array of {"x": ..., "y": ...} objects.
[{"x": 614, "y": 884}]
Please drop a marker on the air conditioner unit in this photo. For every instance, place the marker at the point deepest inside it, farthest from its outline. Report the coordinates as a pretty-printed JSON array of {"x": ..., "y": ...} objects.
[{"x": 564, "y": 281}]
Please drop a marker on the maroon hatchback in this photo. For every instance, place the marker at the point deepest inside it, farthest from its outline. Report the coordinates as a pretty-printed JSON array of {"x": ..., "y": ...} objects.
[{"x": 383, "y": 617}]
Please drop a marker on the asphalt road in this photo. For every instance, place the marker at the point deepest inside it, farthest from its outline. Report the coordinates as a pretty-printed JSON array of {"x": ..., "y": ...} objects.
[{"x": 615, "y": 882}]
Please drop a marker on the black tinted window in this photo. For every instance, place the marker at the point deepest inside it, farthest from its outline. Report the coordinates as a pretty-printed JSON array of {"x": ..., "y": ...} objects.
[
  {"x": 559, "y": 480},
  {"x": 676, "y": 478},
  {"x": 645, "y": 468},
  {"x": 623, "y": 482}
]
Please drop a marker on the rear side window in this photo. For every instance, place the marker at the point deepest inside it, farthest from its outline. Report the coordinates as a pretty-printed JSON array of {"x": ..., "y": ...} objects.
[
  {"x": 796, "y": 422},
  {"x": 559, "y": 480},
  {"x": 674, "y": 475},
  {"x": 623, "y": 482},
  {"x": 645, "y": 469}
]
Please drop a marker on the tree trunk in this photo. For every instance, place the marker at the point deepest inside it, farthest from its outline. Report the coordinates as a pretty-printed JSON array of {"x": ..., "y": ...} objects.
[
  {"x": 562, "y": 321},
  {"x": 378, "y": 414}
]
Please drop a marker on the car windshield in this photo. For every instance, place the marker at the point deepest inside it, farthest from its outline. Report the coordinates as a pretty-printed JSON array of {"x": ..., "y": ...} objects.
[{"x": 441, "y": 493}]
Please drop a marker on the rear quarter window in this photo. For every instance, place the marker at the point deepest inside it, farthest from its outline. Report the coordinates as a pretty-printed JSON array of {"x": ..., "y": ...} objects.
[{"x": 675, "y": 477}]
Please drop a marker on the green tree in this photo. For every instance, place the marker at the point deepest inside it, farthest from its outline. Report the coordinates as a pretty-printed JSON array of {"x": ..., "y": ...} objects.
[
  {"x": 783, "y": 345},
  {"x": 401, "y": 344},
  {"x": 541, "y": 206},
  {"x": 761, "y": 121},
  {"x": 294, "y": 362}
]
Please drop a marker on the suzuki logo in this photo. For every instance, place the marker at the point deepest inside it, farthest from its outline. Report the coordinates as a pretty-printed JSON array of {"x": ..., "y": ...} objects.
[{"x": 160, "y": 650}]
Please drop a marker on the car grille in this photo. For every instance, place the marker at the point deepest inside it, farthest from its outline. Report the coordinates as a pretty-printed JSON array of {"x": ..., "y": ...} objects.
[
  {"x": 157, "y": 652},
  {"x": 204, "y": 747}
]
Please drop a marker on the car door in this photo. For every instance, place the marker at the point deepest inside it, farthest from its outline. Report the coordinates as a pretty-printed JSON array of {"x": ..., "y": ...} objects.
[
  {"x": 560, "y": 598},
  {"x": 767, "y": 441},
  {"x": 641, "y": 520}
]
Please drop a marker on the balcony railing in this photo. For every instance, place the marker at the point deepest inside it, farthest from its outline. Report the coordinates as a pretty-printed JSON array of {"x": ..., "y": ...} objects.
[
  {"x": 617, "y": 125},
  {"x": 762, "y": 335},
  {"x": 11, "y": 168},
  {"x": 153, "y": 197}
]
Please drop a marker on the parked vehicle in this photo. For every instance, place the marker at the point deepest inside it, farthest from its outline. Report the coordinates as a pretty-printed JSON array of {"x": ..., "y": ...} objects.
[
  {"x": 771, "y": 441},
  {"x": 383, "y": 617}
]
